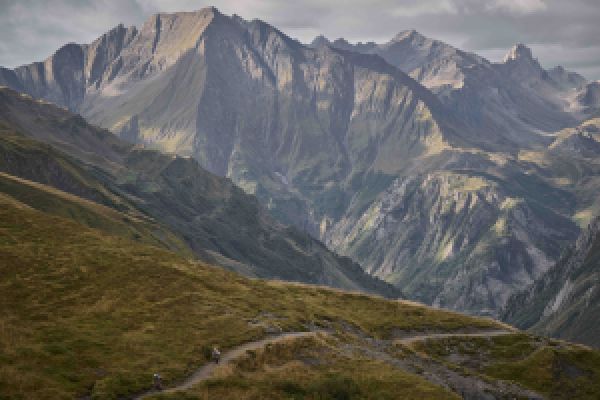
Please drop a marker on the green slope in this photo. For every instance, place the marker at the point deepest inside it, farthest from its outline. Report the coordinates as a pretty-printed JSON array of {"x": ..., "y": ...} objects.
[
  {"x": 85, "y": 312},
  {"x": 56, "y": 202}
]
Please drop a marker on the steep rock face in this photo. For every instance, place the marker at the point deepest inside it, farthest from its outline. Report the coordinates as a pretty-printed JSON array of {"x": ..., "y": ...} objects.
[
  {"x": 565, "y": 302},
  {"x": 66, "y": 76},
  {"x": 520, "y": 63},
  {"x": 59, "y": 79},
  {"x": 589, "y": 98},
  {"x": 216, "y": 219},
  {"x": 454, "y": 239},
  {"x": 572, "y": 164},
  {"x": 103, "y": 55},
  {"x": 554, "y": 88},
  {"x": 566, "y": 79}
]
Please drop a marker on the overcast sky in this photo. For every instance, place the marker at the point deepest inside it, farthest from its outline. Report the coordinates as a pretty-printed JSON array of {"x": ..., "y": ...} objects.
[{"x": 565, "y": 32}]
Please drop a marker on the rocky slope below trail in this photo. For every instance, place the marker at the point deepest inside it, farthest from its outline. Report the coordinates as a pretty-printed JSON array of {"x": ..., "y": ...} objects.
[
  {"x": 216, "y": 219},
  {"x": 564, "y": 302}
]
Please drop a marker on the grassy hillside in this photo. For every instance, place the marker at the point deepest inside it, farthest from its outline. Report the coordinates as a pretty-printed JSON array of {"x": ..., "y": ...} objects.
[
  {"x": 278, "y": 372},
  {"x": 86, "y": 313},
  {"x": 82, "y": 311},
  {"x": 33, "y": 160},
  {"x": 48, "y": 180},
  {"x": 56, "y": 202}
]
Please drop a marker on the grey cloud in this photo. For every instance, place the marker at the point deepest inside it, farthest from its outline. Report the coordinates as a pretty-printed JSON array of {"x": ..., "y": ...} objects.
[
  {"x": 560, "y": 32},
  {"x": 30, "y": 30}
]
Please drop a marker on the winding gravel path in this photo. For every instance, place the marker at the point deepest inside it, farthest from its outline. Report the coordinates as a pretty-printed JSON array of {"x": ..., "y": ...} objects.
[
  {"x": 206, "y": 371},
  {"x": 419, "y": 338}
]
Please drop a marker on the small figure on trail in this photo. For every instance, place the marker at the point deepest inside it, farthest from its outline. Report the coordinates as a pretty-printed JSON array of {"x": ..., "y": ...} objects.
[
  {"x": 157, "y": 381},
  {"x": 216, "y": 355}
]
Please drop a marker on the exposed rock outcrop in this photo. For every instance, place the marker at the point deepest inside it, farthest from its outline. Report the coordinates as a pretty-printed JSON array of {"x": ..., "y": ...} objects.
[{"x": 564, "y": 302}]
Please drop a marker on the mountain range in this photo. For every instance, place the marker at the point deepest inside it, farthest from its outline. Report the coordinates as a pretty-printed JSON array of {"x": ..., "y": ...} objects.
[{"x": 457, "y": 179}]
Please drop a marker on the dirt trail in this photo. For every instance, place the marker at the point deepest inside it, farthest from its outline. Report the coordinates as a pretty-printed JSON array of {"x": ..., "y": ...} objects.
[
  {"x": 419, "y": 338},
  {"x": 205, "y": 372},
  {"x": 468, "y": 386}
]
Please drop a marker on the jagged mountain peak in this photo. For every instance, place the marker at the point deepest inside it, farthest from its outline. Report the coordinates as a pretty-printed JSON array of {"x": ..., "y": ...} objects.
[
  {"x": 68, "y": 48},
  {"x": 204, "y": 11},
  {"x": 359, "y": 47},
  {"x": 118, "y": 30},
  {"x": 155, "y": 20},
  {"x": 566, "y": 79},
  {"x": 64, "y": 50},
  {"x": 410, "y": 34},
  {"x": 268, "y": 28},
  {"x": 158, "y": 23},
  {"x": 319, "y": 41},
  {"x": 182, "y": 20},
  {"x": 589, "y": 97},
  {"x": 341, "y": 42},
  {"x": 520, "y": 64},
  {"x": 416, "y": 39},
  {"x": 519, "y": 52},
  {"x": 426, "y": 50}
]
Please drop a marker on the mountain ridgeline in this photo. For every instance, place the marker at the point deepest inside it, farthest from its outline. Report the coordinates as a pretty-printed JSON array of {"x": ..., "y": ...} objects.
[{"x": 456, "y": 179}]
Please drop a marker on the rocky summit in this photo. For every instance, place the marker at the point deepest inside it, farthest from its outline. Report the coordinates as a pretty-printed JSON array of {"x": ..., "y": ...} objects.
[{"x": 457, "y": 179}]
